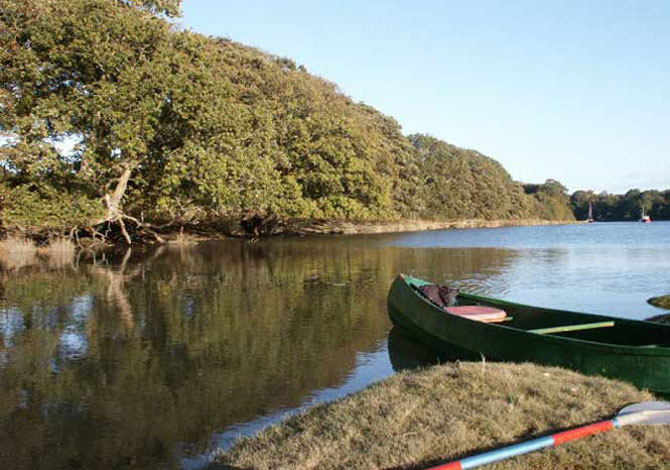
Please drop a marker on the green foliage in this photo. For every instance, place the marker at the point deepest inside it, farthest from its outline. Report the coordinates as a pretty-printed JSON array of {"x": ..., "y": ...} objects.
[
  {"x": 28, "y": 210},
  {"x": 458, "y": 183},
  {"x": 579, "y": 201},
  {"x": 551, "y": 200},
  {"x": 88, "y": 70},
  {"x": 204, "y": 128},
  {"x": 268, "y": 136},
  {"x": 610, "y": 207},
  {"x": 166, "y": 7}
]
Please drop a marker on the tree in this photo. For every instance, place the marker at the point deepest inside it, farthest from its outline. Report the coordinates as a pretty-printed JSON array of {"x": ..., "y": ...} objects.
[
  {"x": 580, "y": 202},
  {"x": 458, "y": 183},
  {"x": 168, "y": 127},
  {"x": 551, "y": 199},
  {"x": 89, "y": 70},
  {"x": 626, "y": 207}
]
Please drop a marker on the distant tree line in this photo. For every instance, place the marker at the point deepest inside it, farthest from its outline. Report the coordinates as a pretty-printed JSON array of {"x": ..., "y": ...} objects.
[
  {"x": 622, "y": 207},
  {"x": 114, "y": 119}
]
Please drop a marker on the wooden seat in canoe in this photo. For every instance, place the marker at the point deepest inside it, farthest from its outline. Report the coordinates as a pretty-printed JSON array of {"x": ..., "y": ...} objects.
[{"x": 478, "y": 313}]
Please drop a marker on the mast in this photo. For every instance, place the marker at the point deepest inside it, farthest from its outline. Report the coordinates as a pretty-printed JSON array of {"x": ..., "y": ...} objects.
[{"x": 645, "y": 217}]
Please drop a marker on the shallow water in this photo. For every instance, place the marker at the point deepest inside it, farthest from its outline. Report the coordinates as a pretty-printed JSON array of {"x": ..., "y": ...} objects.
[{"x": 155, "y": 359}]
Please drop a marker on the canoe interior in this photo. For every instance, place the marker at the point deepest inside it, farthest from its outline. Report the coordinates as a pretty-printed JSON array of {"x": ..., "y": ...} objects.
[{"x": 524, "y": 317}]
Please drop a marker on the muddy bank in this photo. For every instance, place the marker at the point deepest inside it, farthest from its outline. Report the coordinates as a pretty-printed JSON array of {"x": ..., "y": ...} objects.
[
  {"x": 339, "y": 227},
  {"x": 354, "y": 227},
  {"x": 263, "y": 228}
]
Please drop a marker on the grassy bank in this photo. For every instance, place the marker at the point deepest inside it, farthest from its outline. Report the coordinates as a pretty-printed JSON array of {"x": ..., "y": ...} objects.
[
  {"x": 419, "y": 418},
  {"x": 662, "y": 301}
]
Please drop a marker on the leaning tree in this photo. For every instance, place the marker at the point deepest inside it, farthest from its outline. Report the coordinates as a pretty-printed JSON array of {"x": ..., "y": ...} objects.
[{"x": 84, "y": 88}]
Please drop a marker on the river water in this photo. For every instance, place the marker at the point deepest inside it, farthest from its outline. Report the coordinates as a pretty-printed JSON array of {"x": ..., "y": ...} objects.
[{"x": 154, "y": 359}]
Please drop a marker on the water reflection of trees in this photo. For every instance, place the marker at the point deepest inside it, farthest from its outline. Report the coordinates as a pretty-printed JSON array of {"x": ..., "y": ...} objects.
[{"x": 124, "y": 363}]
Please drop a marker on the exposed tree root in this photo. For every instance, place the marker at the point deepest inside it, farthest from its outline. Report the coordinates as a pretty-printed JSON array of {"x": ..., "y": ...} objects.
[{"x": 258, "y": 224}]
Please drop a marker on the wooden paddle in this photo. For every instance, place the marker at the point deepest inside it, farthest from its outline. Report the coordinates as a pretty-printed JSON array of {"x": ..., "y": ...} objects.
[{"x": 646, "y": 413}]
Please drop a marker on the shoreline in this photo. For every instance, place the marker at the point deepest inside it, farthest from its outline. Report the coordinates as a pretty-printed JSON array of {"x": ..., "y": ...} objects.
[
  {"x": 420, "y": 417},
  {"x": 227, "y": 228},
  {"x": 346, "y": 227},
  {"x": 302, "y": 228}
]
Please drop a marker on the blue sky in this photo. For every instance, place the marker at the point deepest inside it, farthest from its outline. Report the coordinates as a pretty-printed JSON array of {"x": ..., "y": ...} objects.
[{"x": 578, "y": 91}]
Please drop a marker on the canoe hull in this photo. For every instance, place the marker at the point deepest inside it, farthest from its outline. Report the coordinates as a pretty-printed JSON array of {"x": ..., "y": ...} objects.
[{"x": 644, "y": 368}]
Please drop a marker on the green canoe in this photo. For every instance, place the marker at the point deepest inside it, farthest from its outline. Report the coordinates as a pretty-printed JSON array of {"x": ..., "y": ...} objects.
[{"x": 635, "y": 351}]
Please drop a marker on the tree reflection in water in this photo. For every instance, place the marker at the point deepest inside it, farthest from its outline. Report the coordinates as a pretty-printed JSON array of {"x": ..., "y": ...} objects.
[{"x": 136, "y": 361}]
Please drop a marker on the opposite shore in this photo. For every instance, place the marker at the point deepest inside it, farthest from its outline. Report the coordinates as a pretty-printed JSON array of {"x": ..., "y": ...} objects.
[
  {"x": 265, "y": 229},
  {"x": 347, "y": 227},
  {"x": 316, "y": 227}
]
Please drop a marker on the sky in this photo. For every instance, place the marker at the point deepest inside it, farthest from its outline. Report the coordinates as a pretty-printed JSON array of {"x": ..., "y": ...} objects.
[{"x": 577, "y": 91}]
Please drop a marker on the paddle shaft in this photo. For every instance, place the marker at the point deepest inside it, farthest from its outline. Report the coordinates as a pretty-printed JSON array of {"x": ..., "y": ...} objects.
[{"x": 554, "y": 440}]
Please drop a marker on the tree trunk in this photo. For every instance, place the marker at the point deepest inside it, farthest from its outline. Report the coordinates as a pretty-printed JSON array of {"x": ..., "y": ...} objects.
[
  {"x": 115, "y": 213},
  {"x": 114, "y": 200},
  {"x": 113, "y": 203}
]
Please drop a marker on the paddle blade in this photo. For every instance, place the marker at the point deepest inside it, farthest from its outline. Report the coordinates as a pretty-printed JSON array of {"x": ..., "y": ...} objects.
[{"x": 647, "y": 413}]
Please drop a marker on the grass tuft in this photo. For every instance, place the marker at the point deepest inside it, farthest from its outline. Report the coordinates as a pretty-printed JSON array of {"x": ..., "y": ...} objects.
[
  {"x": 60, "y": 252},
  {"x": 16, "y": 252},
  {"x": 17, "y": 245},
  {"x": 419, "y": 418}
]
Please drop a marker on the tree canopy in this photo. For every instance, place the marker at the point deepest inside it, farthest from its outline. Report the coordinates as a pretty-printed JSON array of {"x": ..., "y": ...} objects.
[
  {"x": 457, "y": 183},
  {"x": 111, "y": 114},
  {"x": 551, "y": 200}
]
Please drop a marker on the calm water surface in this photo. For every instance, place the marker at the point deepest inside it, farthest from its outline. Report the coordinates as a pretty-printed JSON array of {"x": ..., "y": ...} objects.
[{"x": 155, "y": 359}]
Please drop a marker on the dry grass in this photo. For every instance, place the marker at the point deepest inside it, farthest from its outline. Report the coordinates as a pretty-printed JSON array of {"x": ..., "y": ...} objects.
[
  {"x": 419, "y": 418},
  {"x": 60, "y": 252},
  {"x": 15, "y": 253},
  {"x": 17, "y": 245}
]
